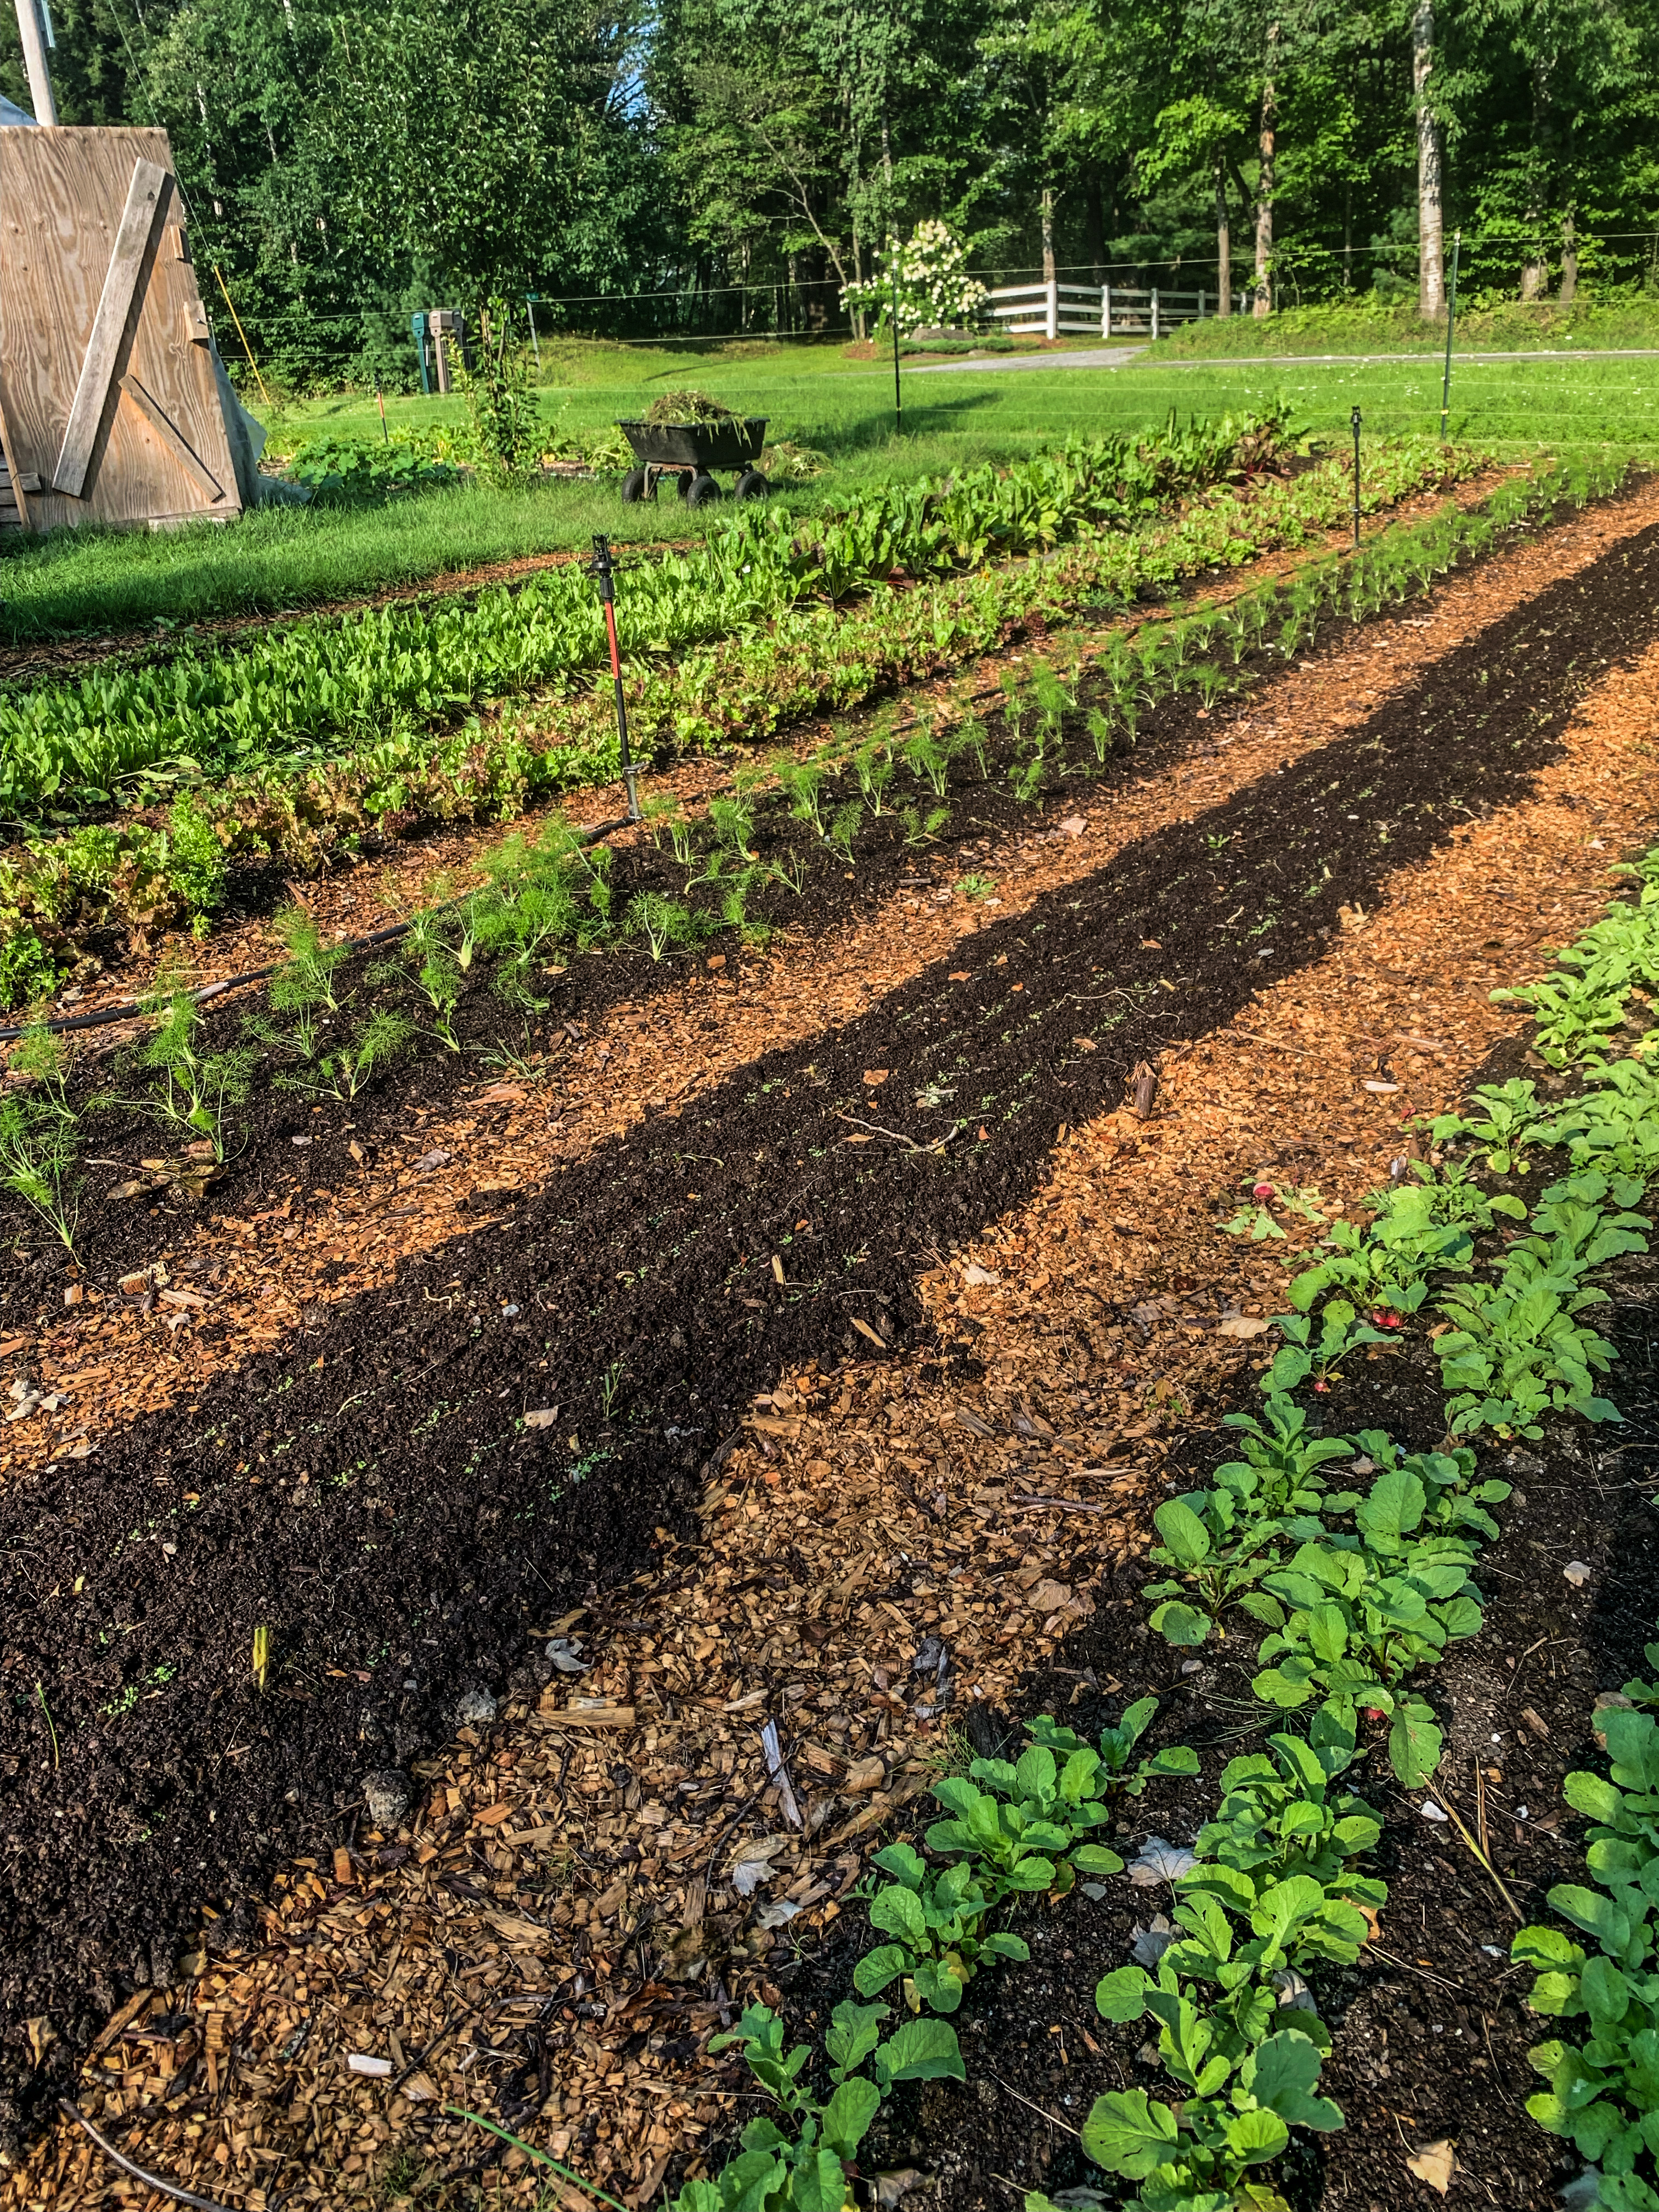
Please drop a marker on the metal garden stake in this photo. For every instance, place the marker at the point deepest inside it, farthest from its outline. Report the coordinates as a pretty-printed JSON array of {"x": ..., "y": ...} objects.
[
  {"x": 1451, "y": 318},
  {"x": 1355, "y": 479},
  {"x": 603, "y": 570}
]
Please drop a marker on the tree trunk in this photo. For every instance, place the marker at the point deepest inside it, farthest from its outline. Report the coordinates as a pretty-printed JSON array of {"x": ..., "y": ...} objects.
[
  {"x": 1569, "y": 260},
  {"x": 1223, "y": 245},
  {"x": 1430, "y": 212},
  {"x": 1046, "y": 211},
  {"x": 1094, "y": 225},
  {"x": 1263, "y": 301},
  {"x": 1534, "y": 270}
]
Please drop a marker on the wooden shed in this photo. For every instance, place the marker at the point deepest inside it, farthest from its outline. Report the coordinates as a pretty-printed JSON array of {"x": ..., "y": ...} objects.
[{"x": 113, "y": 408}]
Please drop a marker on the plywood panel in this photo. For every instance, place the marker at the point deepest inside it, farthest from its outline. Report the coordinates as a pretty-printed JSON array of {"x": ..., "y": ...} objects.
[
  {"x": 147, "y": 193},
  {"x": 62, "y": 195}
]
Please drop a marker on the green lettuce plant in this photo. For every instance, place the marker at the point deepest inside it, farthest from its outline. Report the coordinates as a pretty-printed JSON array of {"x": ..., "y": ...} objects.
[
  {"x": 807, "y": 2171},
  {"x": 1115, "y": 1775},
  {"x": 1602, "y": 2092}
]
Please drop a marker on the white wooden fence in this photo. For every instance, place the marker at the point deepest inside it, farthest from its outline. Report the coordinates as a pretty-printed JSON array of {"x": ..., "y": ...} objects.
[{"x": 1053, "y": 310}]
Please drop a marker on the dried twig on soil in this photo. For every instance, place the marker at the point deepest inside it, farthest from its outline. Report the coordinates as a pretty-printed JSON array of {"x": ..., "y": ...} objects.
[{"x": 898, "y": 1135}]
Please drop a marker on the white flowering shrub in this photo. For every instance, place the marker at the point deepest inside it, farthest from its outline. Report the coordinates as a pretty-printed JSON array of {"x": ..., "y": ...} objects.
[{"x": 934, "y": 288}]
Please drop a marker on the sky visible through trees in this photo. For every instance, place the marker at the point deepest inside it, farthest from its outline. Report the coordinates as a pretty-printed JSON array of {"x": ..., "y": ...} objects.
[{"x": 691, "y": 165}]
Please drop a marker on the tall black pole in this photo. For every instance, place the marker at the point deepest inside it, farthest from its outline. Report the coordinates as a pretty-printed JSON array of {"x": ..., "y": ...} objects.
[
  {"x": 1451, "y": 319},
  {"x": 1355, "y": 479},
  {"x": 602, "y": 569}
]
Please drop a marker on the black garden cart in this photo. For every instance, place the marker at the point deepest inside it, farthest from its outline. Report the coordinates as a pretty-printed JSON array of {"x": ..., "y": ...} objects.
[{"x": 690, "y": 452}]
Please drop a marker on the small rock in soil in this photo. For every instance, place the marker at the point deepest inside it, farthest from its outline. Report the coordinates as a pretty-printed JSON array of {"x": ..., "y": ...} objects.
[
  {"x": 387, "y": 1796},
  {"x": 475, "y": 1709}
]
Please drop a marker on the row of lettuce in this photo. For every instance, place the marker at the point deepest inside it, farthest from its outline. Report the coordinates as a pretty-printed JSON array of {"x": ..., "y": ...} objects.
[
  {"x": 67, "y": 899},
  {"x": 1356, "y": 1594}
]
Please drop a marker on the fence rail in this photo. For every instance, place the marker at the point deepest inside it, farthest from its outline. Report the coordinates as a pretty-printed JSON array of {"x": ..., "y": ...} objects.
[{"x": 1053, "y": 310}]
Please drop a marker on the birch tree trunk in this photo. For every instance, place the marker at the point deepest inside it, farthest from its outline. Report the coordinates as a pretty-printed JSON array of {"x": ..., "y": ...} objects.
[
  {"x": 1263, "y": 302},
  {"x": 1047, "y": 213},
  {"x": 1430, "y": 210}
]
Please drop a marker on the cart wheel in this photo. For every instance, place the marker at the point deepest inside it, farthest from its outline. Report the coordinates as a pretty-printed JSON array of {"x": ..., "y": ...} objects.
[
  {"x": 685, "y": 481},
  {"x": 751, "y": 484},
  {"x": 703, "y": 492},
  {"x": 633, "y": 487}
]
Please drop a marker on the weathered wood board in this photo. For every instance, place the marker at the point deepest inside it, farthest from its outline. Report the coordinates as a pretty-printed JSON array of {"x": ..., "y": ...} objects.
[{"x": 107, "y": 394}]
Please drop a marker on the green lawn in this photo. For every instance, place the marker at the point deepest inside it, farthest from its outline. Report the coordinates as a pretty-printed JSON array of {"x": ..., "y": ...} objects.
[
  {"x": 1517, "y": 406},
  {"x": 289, "y": 557},
  {"x": 1585, "y": 327}
]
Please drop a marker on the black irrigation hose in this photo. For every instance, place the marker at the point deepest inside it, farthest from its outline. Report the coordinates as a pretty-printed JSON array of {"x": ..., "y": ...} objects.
[
  {"x": 73, "y": 2112},
  {"x": 129, "y": 1007}
]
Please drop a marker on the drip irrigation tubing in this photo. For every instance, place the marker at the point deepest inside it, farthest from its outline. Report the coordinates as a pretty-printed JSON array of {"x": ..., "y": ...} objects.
[{"x": 72, "y": 2110}]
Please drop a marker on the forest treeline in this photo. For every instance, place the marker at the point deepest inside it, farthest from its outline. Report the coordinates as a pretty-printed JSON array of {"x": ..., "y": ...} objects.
[{"x": 660, "y": 165}]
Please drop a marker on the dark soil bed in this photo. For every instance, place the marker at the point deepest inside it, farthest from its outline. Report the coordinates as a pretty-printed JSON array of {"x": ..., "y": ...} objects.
[{"x": 367, "y": 1493}]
